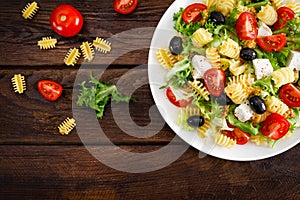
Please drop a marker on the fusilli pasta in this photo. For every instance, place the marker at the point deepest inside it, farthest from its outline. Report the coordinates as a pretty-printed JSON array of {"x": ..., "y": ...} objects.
[
  {"x": 268, "y": 15},
  {"x": 201, "y": 37},
  {"x": 283, "y": 76},
  {"x": 230, "y": 49},
  {"x": 275, "y": 105},
  {"x": 213, "y": 57},
  {"x": 224, "y": 141}
]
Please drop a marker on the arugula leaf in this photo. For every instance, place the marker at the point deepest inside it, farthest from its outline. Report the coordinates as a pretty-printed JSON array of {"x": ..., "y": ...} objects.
[
  {"x": 267, "y": 85},
  {"x": 98, "y": 95},
  {"x": 244, "y": 126}
]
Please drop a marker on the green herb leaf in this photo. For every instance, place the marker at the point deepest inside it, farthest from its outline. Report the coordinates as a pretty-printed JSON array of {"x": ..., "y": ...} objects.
[{"x": 98, "y": 95}]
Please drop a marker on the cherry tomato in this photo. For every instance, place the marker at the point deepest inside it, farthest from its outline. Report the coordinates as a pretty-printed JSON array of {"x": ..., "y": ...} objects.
[
  {"x": 50, "y": 90},
  {"x": 66, "y": 20},
  {"x": 214, "y": 81},
  {"x": 284, "y": 14},
  {"x": 275, "y": 126},
  {"x": 192, "y": 13},
  {"x": 125, "y": 6},
  {"x": 290, "y": 95},
  {"x": 246, "y": 26},
  {"x": 272, "y": 43},
  {"x": 237, "y": 134},
  {"x": 179, "y": 103}
]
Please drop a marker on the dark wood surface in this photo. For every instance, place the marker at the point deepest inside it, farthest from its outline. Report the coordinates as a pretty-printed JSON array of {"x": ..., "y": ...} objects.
[{"x": 38, "y": 163}]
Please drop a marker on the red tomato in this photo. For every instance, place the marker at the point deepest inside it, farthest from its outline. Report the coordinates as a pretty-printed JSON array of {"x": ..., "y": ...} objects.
[
  {"x": 192, "y": 13},
  {"x": 237, "y": 134},
  {"x": 275, "y": 126},
  {"x": 272, "y": 43},
  {"x": 125, "y": 6},
  {"x": 284, "y": 14},
  {"x": 66, "y": 20},
  {"x": 246, "y": 26},
  {"x": 50, "y": 90},
  {"x": 179, "y": 103},
  {"x": 214, "y": 81},
  {"x": 290, "y": 95}
]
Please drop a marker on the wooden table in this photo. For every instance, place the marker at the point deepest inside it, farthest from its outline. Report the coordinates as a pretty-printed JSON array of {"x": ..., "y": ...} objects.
[{"x": 37, "y": 163}]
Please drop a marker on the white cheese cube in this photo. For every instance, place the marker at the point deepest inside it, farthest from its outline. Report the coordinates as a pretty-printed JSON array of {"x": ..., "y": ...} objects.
[
  {"x": 262, "y": 67},
  {"x": 264, "y": 30},
  {"x": 294, "y": 60},
  {"x": 243, "y": 112},
  {"x": 200, "y": 65}
]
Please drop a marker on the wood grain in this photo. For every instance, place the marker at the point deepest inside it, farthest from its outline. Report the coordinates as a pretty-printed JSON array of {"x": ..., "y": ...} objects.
[
  {"x": 40, "y": 118},
  {"x": 70, "y": 172},
  {"x": 18, "y": 37}
]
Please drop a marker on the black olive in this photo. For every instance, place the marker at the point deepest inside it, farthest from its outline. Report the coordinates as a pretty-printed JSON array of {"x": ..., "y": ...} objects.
[
  {"x": 217, "y": 17},
  {"x": 175, "y": 45},
  {"x": 257, "y": 105},
  {"x": 248, "y": 54},
  {"x": 195, "y": 121},
  {"x": 222, "y": 100}
]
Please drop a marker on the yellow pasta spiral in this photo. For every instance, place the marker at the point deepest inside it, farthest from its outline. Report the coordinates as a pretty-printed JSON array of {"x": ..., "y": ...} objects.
[
  {"x": 230, "y": 49},
  {"x": 225, "y": 6},
  {"x": 224, "y": 141},
  {"x": 199, "y": 89},
  {"x": 201, "y": 37},
  {"x": 275, "y": 105},
  {"x": 237, "y": 67},
  {"x": 277, "y": 3},
  {"x": 283, "y": 76},
  {"x": 268, "y": 15},
  {"x": 165, "y": 58},
  {"x": 202, "y": 130},
  {"x": 213, "y": 56},
  {"x": 257, "y": 118}
]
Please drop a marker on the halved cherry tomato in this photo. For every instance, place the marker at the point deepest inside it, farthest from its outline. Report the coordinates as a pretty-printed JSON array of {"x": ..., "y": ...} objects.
[
  {"x": 284, "y": 14},
  {"x": 50, "y": 90},
  {"x": 179, "y": 103},
  {"x": 246, "y": 26},
  {"x": 125, "y": 6},
  {"x": 192, "y": 13},
  {"x": 272, "y": 43},
  {"x": 237, "y": 134},
  {"x": 290, "y": 95},
  {"x": 275, "y": 126},
  {"x": 66, "y": 20},
  {"x": 214, "y": 81}
]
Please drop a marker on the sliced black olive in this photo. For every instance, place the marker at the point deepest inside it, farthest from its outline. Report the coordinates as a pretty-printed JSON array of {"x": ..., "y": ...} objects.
[
  {"x": 248, "y": 54},
  {"x": 222, "y": 100},
  {"x": 175, "y": 45},
  {"x": 217, "y": 17},
  {"x": 257, "y": 105},
  {"x": 195, "y": 121}
]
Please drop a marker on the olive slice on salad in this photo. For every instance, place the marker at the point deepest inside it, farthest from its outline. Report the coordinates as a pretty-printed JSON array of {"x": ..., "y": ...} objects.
[
  {"x": 175, "y": 45},
  {"x": 195, "y": 121}
]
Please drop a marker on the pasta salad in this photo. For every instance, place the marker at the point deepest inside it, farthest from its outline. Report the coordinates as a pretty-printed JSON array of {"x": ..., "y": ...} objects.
[{"x": 233, "y": 68}]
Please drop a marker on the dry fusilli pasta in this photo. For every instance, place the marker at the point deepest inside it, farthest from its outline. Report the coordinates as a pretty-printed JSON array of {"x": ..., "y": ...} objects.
[
  {"x": 72, "y": 57},
  {"x": 19, "y": 84},
  {"x": 47, "y": 43},
  {"x": 67, "y": 126},
  {"x": 30, "y": 10}
]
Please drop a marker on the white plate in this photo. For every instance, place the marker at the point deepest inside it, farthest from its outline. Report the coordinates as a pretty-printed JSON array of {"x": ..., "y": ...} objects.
[{"x": 162, "y": 35}]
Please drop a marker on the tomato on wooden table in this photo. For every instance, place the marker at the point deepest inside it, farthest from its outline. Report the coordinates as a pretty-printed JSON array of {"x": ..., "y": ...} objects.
[
  {"x": 66, "y": 20},
  {"x": 246, "y": 26},
  {"x": 179, "y": 103},
  {"x": 50, "y": 90},
  {"x": 284, "y": 14},
  {"x": 125, "y": 6},
  {"x": 192, "y": 13},
  {"x": 275, "y": 126},
  {"x": 290, "y": 95},
  {"x": 272, "y": 43},
  {"x": 214, "y": 81}
]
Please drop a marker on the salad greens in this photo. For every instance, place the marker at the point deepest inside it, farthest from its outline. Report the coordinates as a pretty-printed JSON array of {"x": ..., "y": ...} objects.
[
  {"x": 97, "y": 96},
  {"x": 182, "y": 74}
]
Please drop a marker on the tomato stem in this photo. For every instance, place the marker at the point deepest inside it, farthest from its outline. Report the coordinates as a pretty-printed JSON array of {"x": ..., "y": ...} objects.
[{"x": 63, "y": 18}]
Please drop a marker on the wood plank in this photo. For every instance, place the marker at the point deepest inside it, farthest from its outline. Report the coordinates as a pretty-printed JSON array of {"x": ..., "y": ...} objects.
[
  {"x": 28, "y": 118},
  {"x": 31, "y": 172},
  {"x": 20, "y": 47}
]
